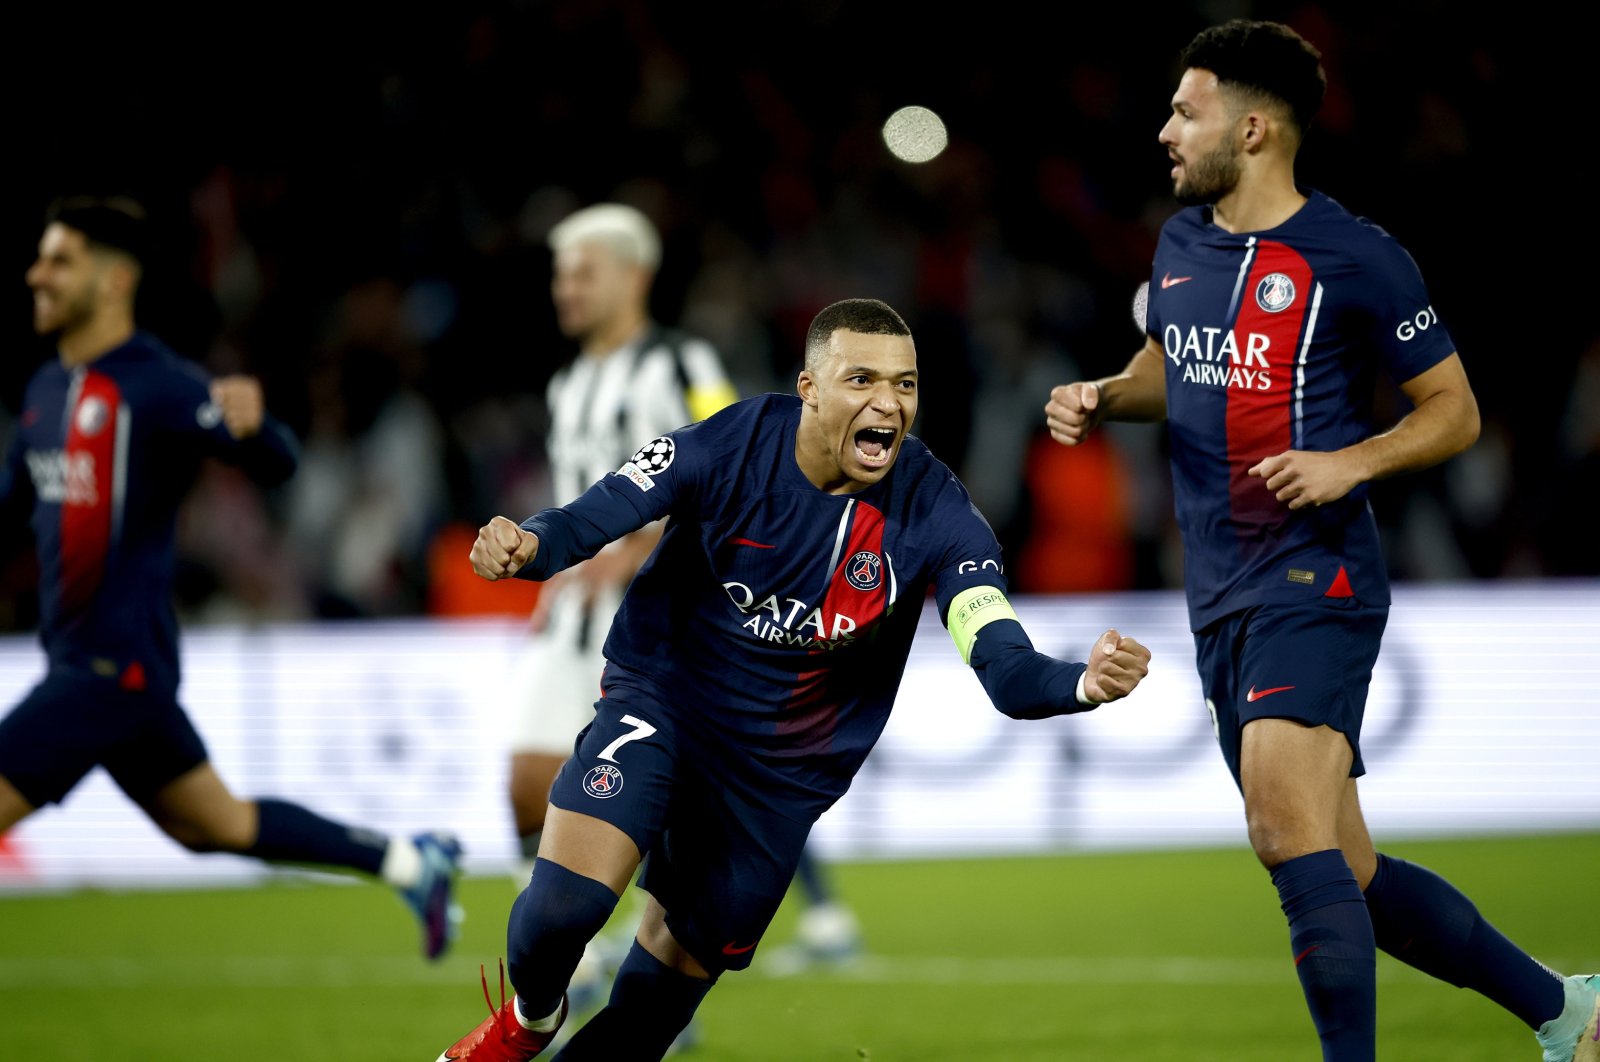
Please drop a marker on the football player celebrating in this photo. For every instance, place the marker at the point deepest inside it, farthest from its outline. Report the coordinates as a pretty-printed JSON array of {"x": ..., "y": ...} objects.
[{"x": 750, "y": 669}]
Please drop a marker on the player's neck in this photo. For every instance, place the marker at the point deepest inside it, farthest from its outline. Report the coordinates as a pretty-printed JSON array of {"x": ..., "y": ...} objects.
[
  {"x": 96, "y": 337},
  {"x": 1259, "y": 202},
  {"x": 819, "y": 467},
  {"x": 826, "y": 477},
  {"x": 613, "y": 335}
]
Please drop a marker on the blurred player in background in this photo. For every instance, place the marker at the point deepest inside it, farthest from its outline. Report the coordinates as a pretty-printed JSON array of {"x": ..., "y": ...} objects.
[
  {"x": 111, "y": 434},
  {"x": 750, "y": 670},
  {"x": 1271, "y": 312},
  {"x": 632, "y": 380}
]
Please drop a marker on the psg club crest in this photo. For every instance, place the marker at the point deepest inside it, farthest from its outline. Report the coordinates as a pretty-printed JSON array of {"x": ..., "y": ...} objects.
[
  {"x": 603, "y": 782},
  {"x": 1275, "y": 293},
  {"x": 654, "y": 456},
  {"x": 92, "y": 416},
  {"x": 865, "y": 571}
]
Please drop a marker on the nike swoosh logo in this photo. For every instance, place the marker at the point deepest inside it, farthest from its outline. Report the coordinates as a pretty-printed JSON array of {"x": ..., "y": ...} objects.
[
  {"x": 757, "y": 545},
  {"x": 1253, "y": 696},
  {"x": 1169, "y": 280},
  {"x": 730, "y": 949}
]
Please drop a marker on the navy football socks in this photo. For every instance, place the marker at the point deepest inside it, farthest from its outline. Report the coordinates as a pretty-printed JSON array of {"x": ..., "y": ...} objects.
[
  {"x": 650, "y": 1005},
  {"x": 551, "y": 921},
  {"x": 1424, "y": 921},
  {"x": 1330, "y": 933},
  {"x": 288, "y": 833}
]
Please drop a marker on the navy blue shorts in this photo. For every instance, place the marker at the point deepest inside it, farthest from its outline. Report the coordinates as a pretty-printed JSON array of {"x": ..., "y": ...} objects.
[
  {"x": 72, "y": 722},
  {"x": 1311, "y": 663},
  {"x": 719, "y": 857}
]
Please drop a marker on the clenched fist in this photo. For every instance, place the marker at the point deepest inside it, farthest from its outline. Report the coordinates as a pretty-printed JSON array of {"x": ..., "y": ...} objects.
[
  {"x": 501, "y": 549},
  {"x": 238, "y": 399},
  {"x": 1072, "y": 412},
  {"x": 1116, "y": 664}
]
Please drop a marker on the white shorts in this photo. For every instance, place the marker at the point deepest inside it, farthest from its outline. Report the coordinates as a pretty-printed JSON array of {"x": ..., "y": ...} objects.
[{"x": 555, "y": 681}]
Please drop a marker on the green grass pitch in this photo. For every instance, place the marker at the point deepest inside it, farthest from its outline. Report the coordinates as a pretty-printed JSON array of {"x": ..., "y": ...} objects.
[{"x": 1125, "y": 957}]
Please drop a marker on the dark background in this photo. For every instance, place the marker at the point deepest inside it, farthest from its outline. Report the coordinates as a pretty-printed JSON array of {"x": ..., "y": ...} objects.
[{"x": 352, "y": 201}]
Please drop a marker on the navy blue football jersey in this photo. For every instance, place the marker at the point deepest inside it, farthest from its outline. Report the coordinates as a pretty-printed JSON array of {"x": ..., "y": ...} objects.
[
  {"x": 1273, "y": 341},
  {"x": 773, "y": 617},
  {"x": 103, "y": 454}
]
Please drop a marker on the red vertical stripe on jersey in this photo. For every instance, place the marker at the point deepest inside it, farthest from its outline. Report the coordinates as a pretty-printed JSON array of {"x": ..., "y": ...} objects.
[
  {"x": 1260, "y": 420},
  {"x": 845, "y": 598},
  {"x": 90, "y": 504},
  {"x": 812, "y": 709}
]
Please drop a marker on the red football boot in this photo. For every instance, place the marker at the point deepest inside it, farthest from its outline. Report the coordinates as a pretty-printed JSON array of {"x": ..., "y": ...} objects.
[{"x": 501, "y": 1037}]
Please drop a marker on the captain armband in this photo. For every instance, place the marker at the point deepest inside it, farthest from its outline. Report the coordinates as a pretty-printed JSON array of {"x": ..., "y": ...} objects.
[{"x": 971, "y": 611}]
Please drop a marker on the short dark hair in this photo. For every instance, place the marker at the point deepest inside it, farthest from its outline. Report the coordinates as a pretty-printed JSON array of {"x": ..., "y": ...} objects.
[
  {"x": 115, "y": 222},
  {"x": 1263, "y": 57},
  {"x": 868, "y": 316}
]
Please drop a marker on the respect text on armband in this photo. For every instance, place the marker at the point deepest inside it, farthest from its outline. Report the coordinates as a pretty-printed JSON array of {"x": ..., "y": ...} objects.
[{"x": 971, "y": 611}]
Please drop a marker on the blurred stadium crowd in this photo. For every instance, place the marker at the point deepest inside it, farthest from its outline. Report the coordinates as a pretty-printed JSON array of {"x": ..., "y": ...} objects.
[{"x": 353, "y": 201}]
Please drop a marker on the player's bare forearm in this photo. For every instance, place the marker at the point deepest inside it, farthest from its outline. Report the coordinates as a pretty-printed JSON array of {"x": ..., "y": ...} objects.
[
  {"x": 1139, "y": 392},
  {"x": 1443, "y": 423}
]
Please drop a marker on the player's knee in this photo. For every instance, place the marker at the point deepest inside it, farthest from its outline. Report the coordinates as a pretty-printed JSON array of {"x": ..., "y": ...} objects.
[
  {"x": 1278, "y": 838},
  {"x": 1267, "y": 844}
]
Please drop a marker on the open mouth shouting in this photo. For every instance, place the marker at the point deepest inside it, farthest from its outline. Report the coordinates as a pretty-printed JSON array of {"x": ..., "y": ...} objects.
[{"x": 875, "y": 446}]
